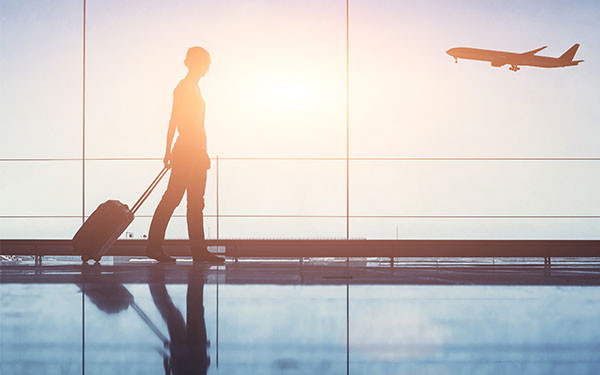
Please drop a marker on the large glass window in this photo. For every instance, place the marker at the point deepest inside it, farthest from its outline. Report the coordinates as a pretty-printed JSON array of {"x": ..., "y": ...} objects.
[{"x": 277, "y": 90}]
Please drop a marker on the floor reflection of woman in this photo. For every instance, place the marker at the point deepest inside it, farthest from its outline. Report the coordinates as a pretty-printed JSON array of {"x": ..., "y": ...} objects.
[{"x": 188, "y": 342}]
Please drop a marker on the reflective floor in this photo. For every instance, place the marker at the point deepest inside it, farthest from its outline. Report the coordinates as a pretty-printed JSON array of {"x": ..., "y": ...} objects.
[{"x": 263, "y": 318}]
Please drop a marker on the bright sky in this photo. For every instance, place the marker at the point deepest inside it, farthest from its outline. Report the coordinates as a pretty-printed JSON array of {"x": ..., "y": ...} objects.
[{"x": 277, "y": 89}]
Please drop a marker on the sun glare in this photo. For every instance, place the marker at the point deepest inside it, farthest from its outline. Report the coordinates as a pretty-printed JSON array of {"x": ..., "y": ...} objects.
[{"x": 287, "y": 92}]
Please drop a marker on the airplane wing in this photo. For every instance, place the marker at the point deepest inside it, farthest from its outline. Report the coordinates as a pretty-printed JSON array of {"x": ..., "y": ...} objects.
[{"x": 533, "y": 52}]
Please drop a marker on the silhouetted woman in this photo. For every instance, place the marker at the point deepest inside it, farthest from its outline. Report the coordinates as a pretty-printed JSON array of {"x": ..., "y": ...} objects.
[{"x": 188, "y": 161}]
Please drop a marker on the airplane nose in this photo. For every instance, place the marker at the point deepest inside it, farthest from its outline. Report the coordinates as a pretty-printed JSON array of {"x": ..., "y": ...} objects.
[{"x": 449, "y": 52}]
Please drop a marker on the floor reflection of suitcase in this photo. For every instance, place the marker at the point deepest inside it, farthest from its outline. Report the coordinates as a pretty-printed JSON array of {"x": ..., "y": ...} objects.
[{"x": 100, "y": 231}]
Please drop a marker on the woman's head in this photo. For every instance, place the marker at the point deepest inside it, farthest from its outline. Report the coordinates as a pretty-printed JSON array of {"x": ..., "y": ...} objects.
[{"x": 197, "y": 59}]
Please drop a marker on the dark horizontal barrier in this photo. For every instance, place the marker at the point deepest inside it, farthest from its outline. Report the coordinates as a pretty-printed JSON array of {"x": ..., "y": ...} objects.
[{"x": 239, "y": 248}]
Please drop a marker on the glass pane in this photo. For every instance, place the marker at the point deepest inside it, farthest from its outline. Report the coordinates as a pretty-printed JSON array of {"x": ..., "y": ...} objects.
[
  {"x": 41, "y": 78},
  {"x": 474, "y": 188},
  {"x": 409, "y": 98},
  {"x": 282, "y": 228},
  {"x": 282, "y": 187},
  {"x": 276, "y": 85},
  {"x": 40, "y": 188},
  {"x": 460, "y": 228},
  {"x": 39, "y": 228}
]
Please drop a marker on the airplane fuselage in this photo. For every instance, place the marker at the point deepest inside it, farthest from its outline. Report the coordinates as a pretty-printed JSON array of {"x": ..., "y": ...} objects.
[{"x": 500, "y": 58}]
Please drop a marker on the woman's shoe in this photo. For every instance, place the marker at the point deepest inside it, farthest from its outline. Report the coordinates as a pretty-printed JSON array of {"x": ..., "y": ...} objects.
[
  {"x": 207, "y": 258},
  {"x": 159, "y": 255}
]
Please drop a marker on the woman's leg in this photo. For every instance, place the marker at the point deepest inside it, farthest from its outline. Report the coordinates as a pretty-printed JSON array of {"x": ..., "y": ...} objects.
[
  {"x": 170, "y": 200},
  {"x": 195, "y": 217},
  {"x": 195, "y": 206}
]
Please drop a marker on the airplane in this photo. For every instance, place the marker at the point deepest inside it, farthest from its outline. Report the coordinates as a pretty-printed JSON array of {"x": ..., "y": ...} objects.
[{"x": 499, "y": 58}]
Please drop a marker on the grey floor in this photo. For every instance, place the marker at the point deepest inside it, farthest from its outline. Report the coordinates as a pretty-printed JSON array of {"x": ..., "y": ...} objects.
[{"x": 286, "y": 317}]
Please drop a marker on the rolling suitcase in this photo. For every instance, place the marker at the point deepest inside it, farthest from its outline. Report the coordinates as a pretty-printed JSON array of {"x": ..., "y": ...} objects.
[{"x": 100, "y": 231}]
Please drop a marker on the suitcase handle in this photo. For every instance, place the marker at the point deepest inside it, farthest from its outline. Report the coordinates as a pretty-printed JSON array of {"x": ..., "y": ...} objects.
[{"x": 148, "y": 191}]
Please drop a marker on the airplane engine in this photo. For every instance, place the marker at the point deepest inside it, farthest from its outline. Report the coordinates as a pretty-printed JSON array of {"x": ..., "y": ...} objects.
[{"x": 498, "y": 63}]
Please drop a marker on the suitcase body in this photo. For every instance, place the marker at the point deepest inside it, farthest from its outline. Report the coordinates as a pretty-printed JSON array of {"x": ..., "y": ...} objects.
[{"x": 100, "y": 231}]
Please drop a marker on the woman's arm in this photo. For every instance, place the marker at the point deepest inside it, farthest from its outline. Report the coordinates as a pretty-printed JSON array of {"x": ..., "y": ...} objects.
[
  {"x": 175, "y": 117},
  {"x": 170, "y": 136}
]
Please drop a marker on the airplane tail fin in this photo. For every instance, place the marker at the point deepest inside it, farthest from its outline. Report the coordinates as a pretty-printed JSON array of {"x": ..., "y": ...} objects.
[{"x": 570, "y": 54}]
